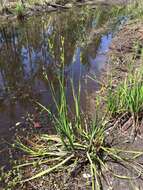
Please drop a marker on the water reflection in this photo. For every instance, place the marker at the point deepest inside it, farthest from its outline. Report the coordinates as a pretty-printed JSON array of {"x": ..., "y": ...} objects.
[{"x": 47, "y": 44}]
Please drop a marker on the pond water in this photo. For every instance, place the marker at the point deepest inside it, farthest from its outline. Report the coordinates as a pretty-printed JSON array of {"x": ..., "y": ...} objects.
[{"x": 76, "y": 39}]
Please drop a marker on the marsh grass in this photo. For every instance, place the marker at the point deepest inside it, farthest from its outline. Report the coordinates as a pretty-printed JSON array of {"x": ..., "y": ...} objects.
[
  {"x": 76, "y": 142},
  {"x": 128, "y": 95}
]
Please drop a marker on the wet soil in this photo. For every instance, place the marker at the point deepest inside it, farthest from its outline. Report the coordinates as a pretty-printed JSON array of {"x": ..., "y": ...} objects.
[
  {"x": 63, "y": 180},
  {"x": 125, "y": 51},
  {"x": 127, "y": 39}
]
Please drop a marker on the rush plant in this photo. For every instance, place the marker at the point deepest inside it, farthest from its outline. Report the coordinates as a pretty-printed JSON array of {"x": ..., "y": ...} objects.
[{"x": 77, "y": 141}]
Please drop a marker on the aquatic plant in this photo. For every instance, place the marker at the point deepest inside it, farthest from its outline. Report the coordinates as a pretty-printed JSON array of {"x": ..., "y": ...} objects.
[{"x": 77, "y": 142}]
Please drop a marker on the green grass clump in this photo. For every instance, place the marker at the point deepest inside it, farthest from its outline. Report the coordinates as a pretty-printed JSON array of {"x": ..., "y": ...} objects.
[
  {"x": 135, "y": 8},
  {"x": 128, "y": 95},
  {"x": 19, "y": 10},
  {"x": 76, "y": 140}
]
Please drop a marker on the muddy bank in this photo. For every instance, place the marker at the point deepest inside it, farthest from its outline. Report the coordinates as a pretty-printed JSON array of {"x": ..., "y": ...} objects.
[
  {"x": 127, "y": 39},
  {"x": 126, "y": 50}
]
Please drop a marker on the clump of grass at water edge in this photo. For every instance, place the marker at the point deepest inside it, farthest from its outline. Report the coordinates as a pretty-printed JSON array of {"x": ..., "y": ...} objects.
[
  {"x": 126, "y": 100},
  {"x": 78, "y": 142}
]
